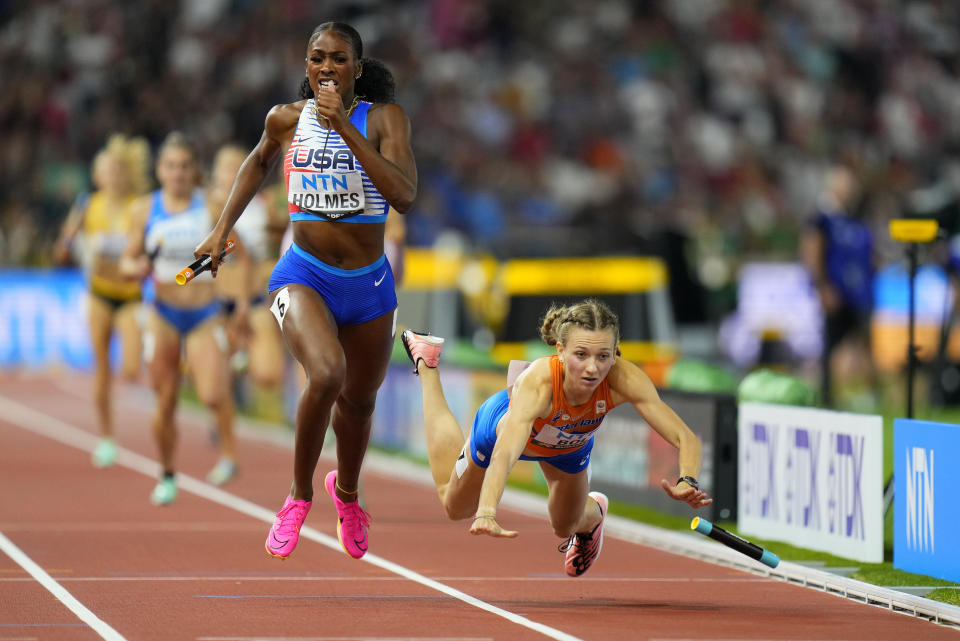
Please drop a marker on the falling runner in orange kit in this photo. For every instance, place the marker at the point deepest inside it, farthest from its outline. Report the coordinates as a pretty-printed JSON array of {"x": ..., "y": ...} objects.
[{"x": 550, "y": 413}]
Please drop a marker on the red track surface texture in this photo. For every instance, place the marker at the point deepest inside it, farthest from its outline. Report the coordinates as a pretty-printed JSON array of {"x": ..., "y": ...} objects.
[{"x": 108, "y": 564}]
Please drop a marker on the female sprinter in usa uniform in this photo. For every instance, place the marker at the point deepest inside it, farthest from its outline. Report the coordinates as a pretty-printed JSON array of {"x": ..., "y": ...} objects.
[
  {"x": 347, "y": 160},
  {"x": 167, "y": 224},
  {"x": 549, "y": 414}
]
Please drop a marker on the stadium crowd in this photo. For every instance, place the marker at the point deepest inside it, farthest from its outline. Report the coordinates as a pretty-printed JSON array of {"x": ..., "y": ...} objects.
[{"x": 696, "y": 129}]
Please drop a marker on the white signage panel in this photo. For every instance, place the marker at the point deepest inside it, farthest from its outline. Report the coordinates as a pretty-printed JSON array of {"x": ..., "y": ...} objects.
[{"x": 812, "y": 478}]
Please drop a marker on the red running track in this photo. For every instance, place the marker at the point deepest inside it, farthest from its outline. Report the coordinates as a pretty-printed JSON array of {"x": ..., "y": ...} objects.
[{"x": 84, "y": 555}]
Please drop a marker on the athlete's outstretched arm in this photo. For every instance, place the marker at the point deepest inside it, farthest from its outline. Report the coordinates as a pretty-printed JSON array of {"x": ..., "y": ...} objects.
[
  {"x": 531, "y": 397},
  {"x": 629, "y": 383}
]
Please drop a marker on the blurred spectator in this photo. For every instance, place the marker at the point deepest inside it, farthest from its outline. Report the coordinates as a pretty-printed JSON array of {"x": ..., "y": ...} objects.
[
  {"x": 543, "y": 128},
  {"x": 838, "y": 250}
]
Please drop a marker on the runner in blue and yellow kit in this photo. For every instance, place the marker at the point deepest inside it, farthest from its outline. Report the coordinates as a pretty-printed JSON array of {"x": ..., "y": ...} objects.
[
  {"x": 549, "y": 414},
  {"x": 184, "y": 324},
  {"x": 102, "y": 220}
]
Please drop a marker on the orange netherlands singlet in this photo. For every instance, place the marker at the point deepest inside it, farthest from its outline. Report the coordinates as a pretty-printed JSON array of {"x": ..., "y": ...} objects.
[{"x": 569, "y": 427}]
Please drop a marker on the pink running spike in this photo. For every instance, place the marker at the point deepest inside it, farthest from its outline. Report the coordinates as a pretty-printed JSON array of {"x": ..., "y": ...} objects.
[
  {"x": 285, "y": 531},
  {"x": 353, "y": 520},
  {"x": 425, "y": 347},
  {"x": 583, "y": 549}
]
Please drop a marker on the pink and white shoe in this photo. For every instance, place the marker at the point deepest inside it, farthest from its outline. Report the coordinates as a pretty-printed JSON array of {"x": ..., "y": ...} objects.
[
  {"x": 583, "y": 549},
  {"x": 285, "y": 531},
  {"x": 353, "y": 520},
  {"x": 425, "y": 347}
]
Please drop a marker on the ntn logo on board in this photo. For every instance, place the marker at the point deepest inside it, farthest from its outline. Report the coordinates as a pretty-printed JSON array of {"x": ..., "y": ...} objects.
[{"x": 919, "y": 498}]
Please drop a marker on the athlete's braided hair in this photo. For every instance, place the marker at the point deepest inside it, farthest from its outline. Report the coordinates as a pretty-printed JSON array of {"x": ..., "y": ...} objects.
[
  {"x": 590, "y": 314},
  {"x": 375, "y": 84}
]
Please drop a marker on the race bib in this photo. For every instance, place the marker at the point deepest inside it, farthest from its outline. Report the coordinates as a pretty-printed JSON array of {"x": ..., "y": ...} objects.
[
  {"x": 331, "y": 194},
  {"x": 550, "y": 436}
]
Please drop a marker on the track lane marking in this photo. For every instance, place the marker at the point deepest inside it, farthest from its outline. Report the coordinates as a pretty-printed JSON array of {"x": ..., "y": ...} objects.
[
  {"x": 347, "y": 579},
  {"x": 81, "y": 611},
  {"x": 691, "y": 546},
  {"x": 42, "y": 424},
  {"x": 344, "y": 638}
]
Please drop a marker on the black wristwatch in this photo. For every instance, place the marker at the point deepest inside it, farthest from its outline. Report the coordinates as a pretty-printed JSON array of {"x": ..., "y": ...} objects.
[{"x": 689, "y": 480}]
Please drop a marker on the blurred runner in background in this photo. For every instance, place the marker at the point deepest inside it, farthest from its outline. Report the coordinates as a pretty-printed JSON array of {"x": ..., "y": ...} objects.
[
  {"x": 257, "y": 352},
  {"x": 185, "y": 323},
  {"x": 95, "y": 234}
]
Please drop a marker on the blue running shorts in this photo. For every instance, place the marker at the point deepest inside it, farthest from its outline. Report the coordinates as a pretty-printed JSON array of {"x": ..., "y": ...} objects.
[
  {"x": 354, "y": 296},
  {"x": 186, "y": 319}
]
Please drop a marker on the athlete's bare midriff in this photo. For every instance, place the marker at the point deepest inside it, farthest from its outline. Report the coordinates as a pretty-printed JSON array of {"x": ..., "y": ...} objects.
[
  {"x": 198, "y": 294},
  {"x": 342, "y": 245}
]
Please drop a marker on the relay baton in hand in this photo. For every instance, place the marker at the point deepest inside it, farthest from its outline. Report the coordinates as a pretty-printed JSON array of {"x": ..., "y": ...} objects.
[
  {"x": 733, "y": 541},
  {"x": 202, "y": 264}
]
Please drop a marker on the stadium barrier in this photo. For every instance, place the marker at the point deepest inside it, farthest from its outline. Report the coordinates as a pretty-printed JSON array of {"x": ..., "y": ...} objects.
[
  {"x": 925, "y": 476},
  {"x": 43, "y": 319},
  {"x": 813, "y": 478}
]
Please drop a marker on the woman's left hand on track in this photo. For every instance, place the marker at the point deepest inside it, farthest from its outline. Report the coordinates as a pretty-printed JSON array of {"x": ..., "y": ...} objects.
[
  {"x": 489, "y": 526},
  {"x": 682, "y": 492}
]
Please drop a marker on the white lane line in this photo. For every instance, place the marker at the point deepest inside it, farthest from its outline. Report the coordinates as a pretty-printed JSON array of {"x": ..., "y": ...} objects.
[
  {"x": 344, "y": 638},
  {"x": 57, "y": 590},
  {"x": 368, "y": 579},
  {"x": 685, "y": 544},
  {"x": 53, "y": 428}
]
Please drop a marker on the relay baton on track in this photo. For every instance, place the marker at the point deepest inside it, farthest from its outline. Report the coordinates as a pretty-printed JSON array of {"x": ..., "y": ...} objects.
[
  {"x": 201, "y": 265},
  {"x": 735, "y": 542}
]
